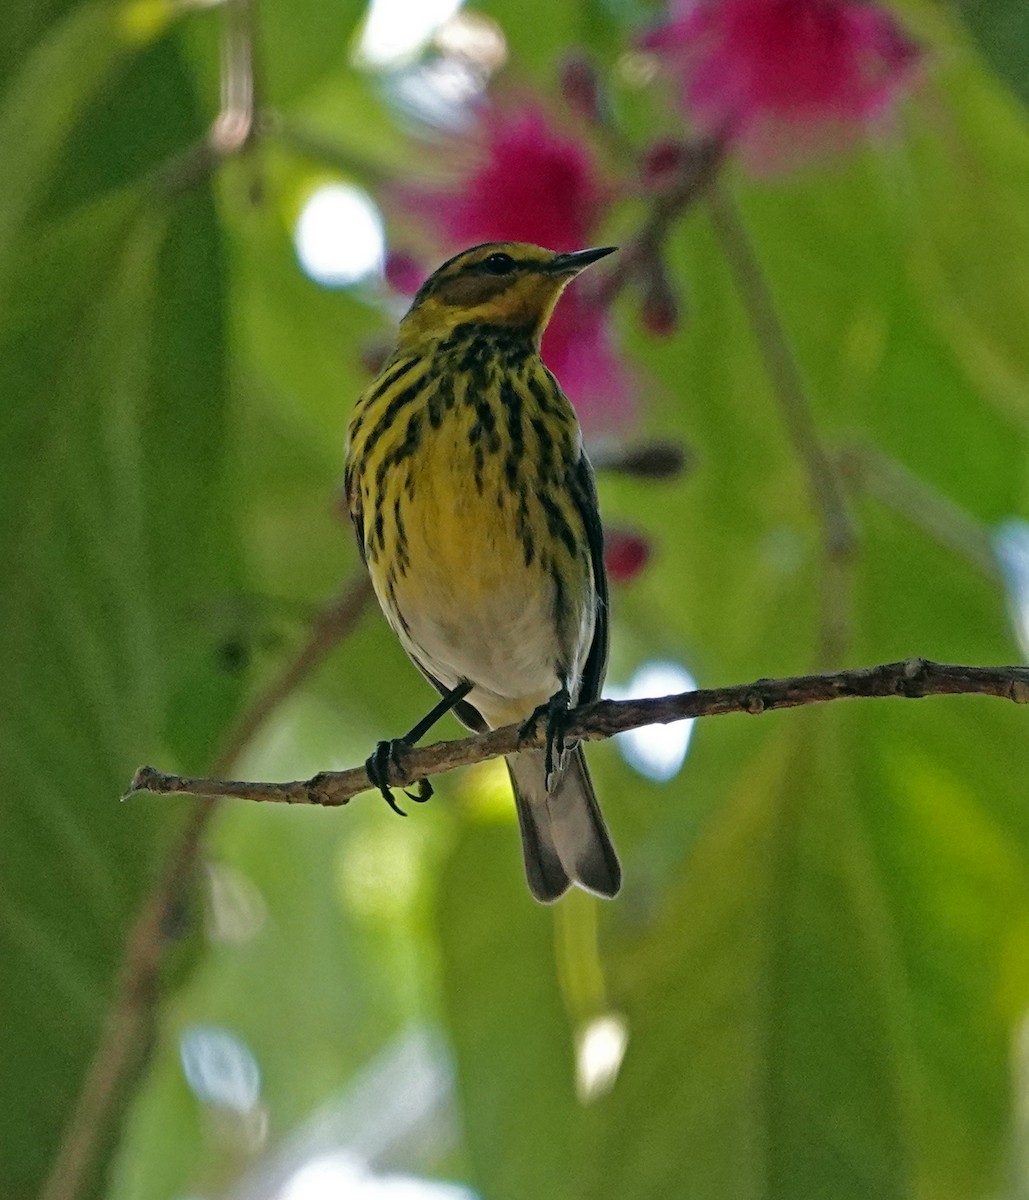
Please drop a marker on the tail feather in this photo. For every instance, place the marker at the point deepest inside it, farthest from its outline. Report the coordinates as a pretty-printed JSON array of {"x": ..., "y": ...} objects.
[
  {"x": 564, "y": 838},
  {"x": 547, "y": 877}
]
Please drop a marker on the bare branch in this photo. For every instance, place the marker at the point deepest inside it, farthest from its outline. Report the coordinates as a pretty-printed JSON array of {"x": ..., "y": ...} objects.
[
  {"x": 913, "y": 678},
  {"x": 235, "y": 125}
]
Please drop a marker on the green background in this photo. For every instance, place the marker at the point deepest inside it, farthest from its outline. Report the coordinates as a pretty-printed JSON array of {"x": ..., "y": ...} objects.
[{"x": 821, "y": 954}]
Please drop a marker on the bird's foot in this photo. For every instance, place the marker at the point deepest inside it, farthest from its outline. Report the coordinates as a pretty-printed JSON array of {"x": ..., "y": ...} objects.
[
  {"x": 390, "y": 754},
  {"x": 554, "y": 712}
]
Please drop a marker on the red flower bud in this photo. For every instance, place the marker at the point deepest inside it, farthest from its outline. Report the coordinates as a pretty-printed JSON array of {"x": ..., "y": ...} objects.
[
  {"x": 660, "y": 304},
  {"x": 403, "y": 272},
  {"x": 662, "y": 161},
  {"x": 581, "y": 87},
  {"x": 625, "y": 554}
]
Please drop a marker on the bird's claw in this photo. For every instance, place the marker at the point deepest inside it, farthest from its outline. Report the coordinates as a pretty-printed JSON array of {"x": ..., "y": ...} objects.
[
  {"x": 389, "y": 754},
  {"x": 555, "y": 713},
  {"x": 527, "y": 729},
  {"x": 384, "y": 755},
  {"x": 424, "y": 791}
]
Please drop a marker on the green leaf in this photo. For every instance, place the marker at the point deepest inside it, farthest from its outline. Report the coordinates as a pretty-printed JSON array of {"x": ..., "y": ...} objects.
[
  {"x": 116, "y": 532},
  {"x": 67, "y": 66},
  {"x": 310, "y": 39},
  {"x": 102, "y": 537},
  {"x": 800, "y": 1012},
  {"x": 1001, "y": 27},
  {"x": 298, "y": 43}
]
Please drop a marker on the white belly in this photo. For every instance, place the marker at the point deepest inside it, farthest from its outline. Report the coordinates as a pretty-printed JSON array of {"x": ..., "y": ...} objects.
[{"x": 507, "y": 647}]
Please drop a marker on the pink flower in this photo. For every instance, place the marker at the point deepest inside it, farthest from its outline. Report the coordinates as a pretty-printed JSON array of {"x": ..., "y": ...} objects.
[
  {"x": 526, "y": 182},
  {"x": 579, "y": 348},
  {"x": 784, "y": 78},
  {"x": 520, "y": 179}
]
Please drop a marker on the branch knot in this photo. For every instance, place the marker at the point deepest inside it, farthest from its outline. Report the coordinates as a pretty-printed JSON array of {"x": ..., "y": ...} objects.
[{"x": 912, "y": 680}]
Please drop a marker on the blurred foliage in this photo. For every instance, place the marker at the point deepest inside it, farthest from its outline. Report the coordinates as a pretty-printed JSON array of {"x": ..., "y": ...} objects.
[{"x": 822, "y": 950}]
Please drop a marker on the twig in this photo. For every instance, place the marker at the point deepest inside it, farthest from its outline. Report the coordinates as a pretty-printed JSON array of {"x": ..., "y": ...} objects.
[
  {"x": 236, "y": 125},
  {"x": 693, "y": 180},
  {"x": 128, "y": 1022},
  {"x": 330, "y": 627},
  {"x": 913, "y": 678},
  {"x": 839, "y": 536}
]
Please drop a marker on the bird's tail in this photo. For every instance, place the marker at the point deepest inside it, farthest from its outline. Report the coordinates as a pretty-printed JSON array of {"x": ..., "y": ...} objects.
[{"x": 564, "y": 837}]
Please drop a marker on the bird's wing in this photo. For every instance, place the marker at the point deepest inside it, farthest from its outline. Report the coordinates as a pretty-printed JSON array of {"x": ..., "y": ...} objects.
[
  {"x": 585, "y": 492},
  {"x": 352, "y": 500}
]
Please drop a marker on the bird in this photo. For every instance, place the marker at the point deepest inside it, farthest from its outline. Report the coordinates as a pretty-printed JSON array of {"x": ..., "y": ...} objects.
[{"x": 475, "y": 510}]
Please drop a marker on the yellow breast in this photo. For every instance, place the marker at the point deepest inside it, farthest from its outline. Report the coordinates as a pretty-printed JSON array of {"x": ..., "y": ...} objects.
[{"x": 458, "y": 472}]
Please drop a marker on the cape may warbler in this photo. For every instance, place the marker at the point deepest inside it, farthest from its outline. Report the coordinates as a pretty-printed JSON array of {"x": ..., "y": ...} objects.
[{"x": 476, "y": 513}]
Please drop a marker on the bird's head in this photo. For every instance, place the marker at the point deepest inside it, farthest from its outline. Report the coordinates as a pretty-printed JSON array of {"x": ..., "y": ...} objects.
[{"x": 509, "y": 284}]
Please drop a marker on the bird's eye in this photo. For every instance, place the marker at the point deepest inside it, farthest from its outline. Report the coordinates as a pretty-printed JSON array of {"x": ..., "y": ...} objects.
[{"x": 498, "y": 264}]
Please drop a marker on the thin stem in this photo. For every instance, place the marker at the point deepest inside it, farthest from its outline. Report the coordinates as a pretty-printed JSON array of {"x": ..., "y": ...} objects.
[
  {"x": 694, "y": 179},
  {"x": 875, "y": 474},
  {"x": 839, "y": 535},
  {"x": 912, "y": 678},
  {"x": 130, "y": 1016},
  {"x": 236, "y": 125},
  {"x": 334, "y": 624}
]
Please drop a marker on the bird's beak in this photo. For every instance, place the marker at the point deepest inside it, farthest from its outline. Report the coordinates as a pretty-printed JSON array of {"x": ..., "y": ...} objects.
[{"x": 572, "y": 264}]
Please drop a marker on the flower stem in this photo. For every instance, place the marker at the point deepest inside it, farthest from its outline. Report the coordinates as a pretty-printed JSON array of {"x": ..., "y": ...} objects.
[{"x": 839, "y": 534}]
